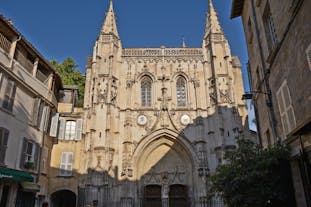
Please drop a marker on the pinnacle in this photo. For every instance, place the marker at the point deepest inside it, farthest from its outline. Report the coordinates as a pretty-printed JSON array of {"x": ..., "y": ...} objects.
[{"x": 110, "y": 26}]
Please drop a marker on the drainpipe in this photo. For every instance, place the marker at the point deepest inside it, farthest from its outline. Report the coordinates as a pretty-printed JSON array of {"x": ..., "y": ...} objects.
[{"x": 266, "y": 78}]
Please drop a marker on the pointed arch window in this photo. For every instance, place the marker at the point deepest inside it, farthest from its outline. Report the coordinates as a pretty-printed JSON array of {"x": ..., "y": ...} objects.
[
  {"x": 146, "y": 85},
  {"x": 181, "y": 91}
]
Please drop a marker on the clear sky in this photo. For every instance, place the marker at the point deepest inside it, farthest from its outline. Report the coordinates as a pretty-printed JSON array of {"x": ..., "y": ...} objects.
[{"x": 68, "y": 28}]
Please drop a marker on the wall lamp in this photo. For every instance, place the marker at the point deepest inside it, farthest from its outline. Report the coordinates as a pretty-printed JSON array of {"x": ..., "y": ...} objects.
[{"x": 250, "y": 94}]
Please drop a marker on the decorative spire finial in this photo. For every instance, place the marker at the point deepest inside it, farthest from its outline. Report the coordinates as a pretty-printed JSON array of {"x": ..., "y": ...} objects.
[
  {"x": 183, "y": 42},
  {"x": 110, "y": 25}
]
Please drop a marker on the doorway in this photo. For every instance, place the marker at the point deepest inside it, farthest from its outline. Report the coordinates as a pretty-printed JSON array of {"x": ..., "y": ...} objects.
[
  {"x": 178, "y": 196},
  {"x": 152, "y": 196},
  {"x": 63, "y": 198}
]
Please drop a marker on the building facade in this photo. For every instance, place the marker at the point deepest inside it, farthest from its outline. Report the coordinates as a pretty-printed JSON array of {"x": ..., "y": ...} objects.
[
  {"x": 158, "y": 120},
  {"x": 279, "y": 48},
  {"x": 28, "y": 86}
]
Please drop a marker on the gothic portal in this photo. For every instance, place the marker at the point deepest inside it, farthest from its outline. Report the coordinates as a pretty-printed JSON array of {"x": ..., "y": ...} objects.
[{"x": 158, "y": 120}]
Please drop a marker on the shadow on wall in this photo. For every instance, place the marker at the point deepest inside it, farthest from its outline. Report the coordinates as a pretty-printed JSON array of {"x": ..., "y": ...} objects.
[{"x": 165, "y": 168}]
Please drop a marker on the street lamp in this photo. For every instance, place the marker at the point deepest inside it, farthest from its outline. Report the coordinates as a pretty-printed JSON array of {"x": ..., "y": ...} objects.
[{"x": 250, "y": 94}]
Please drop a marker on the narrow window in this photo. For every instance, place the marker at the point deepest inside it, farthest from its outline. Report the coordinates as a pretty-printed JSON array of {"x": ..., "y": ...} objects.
[
  {"x": 4, "y": 136},
  {"x": 66, "y": 164},
  {"x": 146, "y": 84},
  {"x": 181, "y": 91},
  {"x": 29, "y": 154},
  {"x": 70, "y": 130},
  {"x": 9, "y": 95},
  {"x": 269, "y": 27}
]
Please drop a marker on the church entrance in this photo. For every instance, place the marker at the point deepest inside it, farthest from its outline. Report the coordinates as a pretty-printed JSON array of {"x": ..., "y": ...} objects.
[
  {"x": 152, "y": 196},
  {"x": 178, "y": 196}
]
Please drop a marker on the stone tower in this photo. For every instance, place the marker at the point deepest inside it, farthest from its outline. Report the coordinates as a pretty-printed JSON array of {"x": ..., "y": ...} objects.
[{"x": 158, "y": 120}]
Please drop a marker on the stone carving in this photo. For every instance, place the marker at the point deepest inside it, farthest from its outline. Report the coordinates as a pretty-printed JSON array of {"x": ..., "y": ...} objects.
[
  {"x": 147, "y": 52},
  {"x": 166, "y": 177}
]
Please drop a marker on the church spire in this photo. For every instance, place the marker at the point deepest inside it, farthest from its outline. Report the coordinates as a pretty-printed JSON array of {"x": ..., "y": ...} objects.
[
  {"x": 110, "y": 26},
  {"x": 212, "y": 23}
]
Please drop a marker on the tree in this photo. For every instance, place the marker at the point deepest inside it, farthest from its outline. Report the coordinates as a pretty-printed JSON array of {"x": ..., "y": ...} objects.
[
  {"x": 254, "y": 177},
  {"x": 71, "y": 76}
]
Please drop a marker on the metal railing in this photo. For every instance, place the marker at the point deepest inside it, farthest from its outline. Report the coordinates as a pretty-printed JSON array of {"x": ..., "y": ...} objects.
[{"x": 5, "y": 44}]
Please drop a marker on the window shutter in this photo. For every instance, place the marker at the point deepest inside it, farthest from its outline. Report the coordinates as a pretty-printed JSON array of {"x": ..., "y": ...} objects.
[
  {"x": 61, "y": 130},
  {"x": 35, "y": 111},
  {"x": 62, "y": 167},
  {"x": 45, "y": 152},
  {"x": 23, "y": 154},
  {"x": 37, "y": 149},
  {"x": 54, "y": 125},
  {"x": 286, "y": 108},
  {"x": 12, "y": 97},
  {"x": 4, "y": 136},
  {"x": 45, "y": 118},
  {"x": 69, "y": 163},
  {"x": 308, "y": 52},
  {"x": 280, "y": 100},
  {"x": 79, "y": 129}
]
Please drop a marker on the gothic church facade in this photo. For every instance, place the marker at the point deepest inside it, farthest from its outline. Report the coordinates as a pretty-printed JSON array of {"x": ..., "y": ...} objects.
[{"x": 158, "y": 120}]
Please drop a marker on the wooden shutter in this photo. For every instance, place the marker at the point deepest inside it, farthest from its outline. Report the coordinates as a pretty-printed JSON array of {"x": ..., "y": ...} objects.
[
  {"x": 79, "y": 129},
  {"x": 308, "y": 52},
  {"x": 54, "y": 125},
  {"x": 9, "y": 95},
  {"x": 23, "y": 154},
  {"x": 37, "y": 149},
  {"x": 35, "y": 111},
  {"x": 45, "y": 152},
  {"x": 286, "y": 108},
  {"x": 4, "y": 136},
  {"x": 61, "y": 129},
  {"x": 45, "y": 118}
]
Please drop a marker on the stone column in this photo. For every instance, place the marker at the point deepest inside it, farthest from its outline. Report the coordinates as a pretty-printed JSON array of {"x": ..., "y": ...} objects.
[
  {"x": 164, "y": 197},
  {"x": 12, "y": 50},
  {"x": 35, "y": 67}
]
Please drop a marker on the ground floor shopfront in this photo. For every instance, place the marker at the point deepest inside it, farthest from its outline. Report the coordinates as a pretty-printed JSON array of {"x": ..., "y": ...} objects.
[{"x": 17, "y": 188}]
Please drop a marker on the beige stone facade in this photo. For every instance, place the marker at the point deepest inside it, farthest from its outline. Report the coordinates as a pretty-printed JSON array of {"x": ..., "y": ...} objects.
[
  {"x": 278, "y": 40},
  {"x": 158, "y": 120}
]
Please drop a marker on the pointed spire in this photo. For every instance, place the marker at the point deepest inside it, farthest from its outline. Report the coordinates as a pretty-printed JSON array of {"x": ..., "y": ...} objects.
[
  {"x": 212, "y": 23},
  {"x": 110, "y": 25},
  {"x": 183, "y": 42}
]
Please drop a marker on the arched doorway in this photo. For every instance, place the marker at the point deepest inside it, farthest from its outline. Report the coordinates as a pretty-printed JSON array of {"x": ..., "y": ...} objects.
[
  {"x": 63, "y": 198},
  {"x": 152, "y": 196},
  {"x": 178, "y": 196}
]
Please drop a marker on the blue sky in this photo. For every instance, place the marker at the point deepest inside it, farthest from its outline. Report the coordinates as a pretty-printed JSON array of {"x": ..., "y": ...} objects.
[{"x": 68, "y": 28}]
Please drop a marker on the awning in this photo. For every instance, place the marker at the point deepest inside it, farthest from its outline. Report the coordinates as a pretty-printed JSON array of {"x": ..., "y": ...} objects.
[
  {"x": 16, "y": 175},
  {"x": 30, "y": 187}
]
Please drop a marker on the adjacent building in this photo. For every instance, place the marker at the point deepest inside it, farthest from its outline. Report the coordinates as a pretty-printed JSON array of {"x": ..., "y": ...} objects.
[
  {"x": 278, "y": 35},
  {"x": 28, "y": 88}
]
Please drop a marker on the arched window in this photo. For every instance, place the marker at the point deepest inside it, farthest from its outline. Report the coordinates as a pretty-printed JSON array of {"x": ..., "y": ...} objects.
[
  {"x": 146, "y": 84},
  {"x": 70, "y": 130},
  {"x": 181, "y": 91}
]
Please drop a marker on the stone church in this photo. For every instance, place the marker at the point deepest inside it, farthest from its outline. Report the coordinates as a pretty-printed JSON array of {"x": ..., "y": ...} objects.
[{"x": 158, "y": 120}]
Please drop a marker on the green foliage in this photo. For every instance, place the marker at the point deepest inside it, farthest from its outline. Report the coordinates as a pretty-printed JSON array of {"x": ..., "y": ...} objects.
[
  {"x": 254, "y": 177},
  {"x": 71, "y": 76}
]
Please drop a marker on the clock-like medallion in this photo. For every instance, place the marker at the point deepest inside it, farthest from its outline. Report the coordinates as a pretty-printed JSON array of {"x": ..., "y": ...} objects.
[
  {"x": 185, "y": 119},
  {"x": 142, "y": 120}
]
